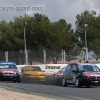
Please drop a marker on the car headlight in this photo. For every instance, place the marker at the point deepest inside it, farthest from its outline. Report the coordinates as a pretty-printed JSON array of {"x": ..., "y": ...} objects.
[
  {"x": 85, "y": 75},
  {"x": 42, "y": 75}
]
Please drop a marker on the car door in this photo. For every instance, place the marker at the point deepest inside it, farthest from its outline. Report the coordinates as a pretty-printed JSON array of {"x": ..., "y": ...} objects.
[
  {"x": 67, "y": 73},
  {"x": 73, "y": 73}
]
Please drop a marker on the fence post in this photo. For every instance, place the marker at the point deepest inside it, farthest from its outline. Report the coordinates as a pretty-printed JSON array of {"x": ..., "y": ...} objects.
[
  {"x": 26, "y": 56},
  {"x": 6, "y": 56},
  {"x": 64, "y": 55},
  {"x": 44, "y": 56}
]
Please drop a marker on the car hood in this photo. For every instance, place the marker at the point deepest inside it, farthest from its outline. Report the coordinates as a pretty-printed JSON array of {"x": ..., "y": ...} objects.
[
  {"x": 8, "y": 70},
  {"x": 33, "y": 72},
  {"x": 89, "y": 74}
]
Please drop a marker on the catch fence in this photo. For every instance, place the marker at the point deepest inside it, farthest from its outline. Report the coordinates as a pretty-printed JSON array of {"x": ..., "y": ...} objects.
[{"x": 38, "y": 57}]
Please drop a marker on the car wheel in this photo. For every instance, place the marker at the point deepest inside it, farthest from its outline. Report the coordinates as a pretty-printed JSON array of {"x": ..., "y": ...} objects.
[
  {"x": 64, "y": 82},
  {"x": 77, "y": 83},
  {"x": 19, "y": 79}
]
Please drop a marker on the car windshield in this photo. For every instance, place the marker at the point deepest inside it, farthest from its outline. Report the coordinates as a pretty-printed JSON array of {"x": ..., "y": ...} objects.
[
  {"x": 33, "y": 68},
  {"x": 88, "y": 67},
  {"x": 7, "y": 66},
  {"x": 62, "y": 69}
]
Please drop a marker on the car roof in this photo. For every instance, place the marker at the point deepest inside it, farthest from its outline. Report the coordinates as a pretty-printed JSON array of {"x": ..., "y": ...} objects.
[
  {"x": 83, "y": 63},
  {"x": 13, "y": 63}
]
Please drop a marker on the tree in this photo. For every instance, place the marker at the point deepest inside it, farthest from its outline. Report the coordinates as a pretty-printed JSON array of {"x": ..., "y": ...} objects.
[
  {"x": 85, "y": 18},
  {"x": 40, "y": 32},
  {"x": 92, "y": 31},
  {"x": 3, "y": 31},
  {"x": 14, "y": 34},
  {"x": 63, "y": 36}
]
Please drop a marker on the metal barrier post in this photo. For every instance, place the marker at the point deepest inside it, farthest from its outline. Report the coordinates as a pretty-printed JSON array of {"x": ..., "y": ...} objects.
[
  {"x": 26, "y": 55},
  {"x": 44, "y": 56},
  {"x": 6, "y": 56},
  {"x": 64, "y": 55}
]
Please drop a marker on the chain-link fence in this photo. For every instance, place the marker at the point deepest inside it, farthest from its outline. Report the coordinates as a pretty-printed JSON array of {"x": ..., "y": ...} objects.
[{"x": 38, "y": 57}]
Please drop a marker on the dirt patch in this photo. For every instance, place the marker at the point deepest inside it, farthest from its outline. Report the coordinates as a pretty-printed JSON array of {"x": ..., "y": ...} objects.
[{"x": 6, "y": 94}]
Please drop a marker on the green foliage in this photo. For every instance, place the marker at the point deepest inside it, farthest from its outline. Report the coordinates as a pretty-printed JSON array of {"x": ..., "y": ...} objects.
[
  {"x": 92, "y": 31},
  {"x": 85, "y": 18},
  {"x": 95, "y": 46},
  {"x": 40, "y": 34}
]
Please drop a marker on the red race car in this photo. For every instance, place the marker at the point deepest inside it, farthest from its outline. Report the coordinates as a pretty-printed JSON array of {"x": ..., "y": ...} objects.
[{"x": 9, "y": 72}]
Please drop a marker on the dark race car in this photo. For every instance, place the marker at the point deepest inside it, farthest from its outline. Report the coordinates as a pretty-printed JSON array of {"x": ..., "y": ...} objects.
[
  {"x": 9, "y": 72},
  {"x": 81, "y": 74}
]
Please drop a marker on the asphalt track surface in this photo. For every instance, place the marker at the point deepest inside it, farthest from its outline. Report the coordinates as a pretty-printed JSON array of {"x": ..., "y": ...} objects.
[{"x": 50, "y": 89}]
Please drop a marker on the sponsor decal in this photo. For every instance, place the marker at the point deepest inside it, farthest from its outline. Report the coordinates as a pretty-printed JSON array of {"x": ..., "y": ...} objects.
[{"x": 52, "y": 67}]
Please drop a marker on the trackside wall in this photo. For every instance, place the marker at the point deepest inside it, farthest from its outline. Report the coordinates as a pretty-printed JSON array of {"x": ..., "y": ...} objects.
[{"x": 48, "y": 68}]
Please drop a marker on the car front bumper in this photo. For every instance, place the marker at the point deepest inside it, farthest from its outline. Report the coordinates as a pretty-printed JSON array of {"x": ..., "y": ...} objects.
[
  {"x": 90, "y": 82},
  {"x": 8, "y": 77}
]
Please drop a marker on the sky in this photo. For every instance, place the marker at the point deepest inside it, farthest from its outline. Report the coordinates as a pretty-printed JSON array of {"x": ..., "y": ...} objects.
[{"x": 53, "y": 9}]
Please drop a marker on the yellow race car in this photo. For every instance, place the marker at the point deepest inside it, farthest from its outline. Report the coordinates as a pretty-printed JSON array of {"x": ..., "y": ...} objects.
[{"x": 33, "y": 72}]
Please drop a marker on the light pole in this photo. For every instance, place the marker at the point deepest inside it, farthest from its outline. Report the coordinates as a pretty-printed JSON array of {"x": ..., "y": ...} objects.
[
  {"x": 26, "y": 57},
  {"x": 86, "y": 50}
]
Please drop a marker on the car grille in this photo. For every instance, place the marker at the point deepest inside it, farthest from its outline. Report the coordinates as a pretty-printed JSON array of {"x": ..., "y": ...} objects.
[
  {"x": 8, "y": 73},
  {"x": 94, "y": 78}
]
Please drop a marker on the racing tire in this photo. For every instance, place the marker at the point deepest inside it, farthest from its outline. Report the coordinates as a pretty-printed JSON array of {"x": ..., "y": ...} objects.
[
  {"x": 19, "y": 79},
  {"x": 77, "y": 83},
  {"x": 64, "y": 82}
]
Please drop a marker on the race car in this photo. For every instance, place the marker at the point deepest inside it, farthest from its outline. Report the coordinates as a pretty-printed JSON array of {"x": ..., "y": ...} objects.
[
  {"x": 81, "y": 74},
  {"x": 9, "y": 72}
]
